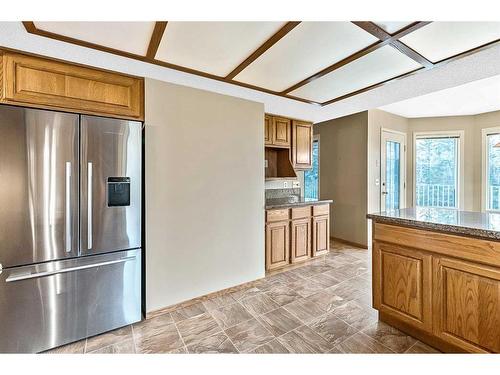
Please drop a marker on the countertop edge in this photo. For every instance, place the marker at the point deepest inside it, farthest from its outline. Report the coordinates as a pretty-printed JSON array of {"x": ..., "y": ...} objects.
[
  {"x": 298, "y": 204},
  {"x": 437, "y": 227}
]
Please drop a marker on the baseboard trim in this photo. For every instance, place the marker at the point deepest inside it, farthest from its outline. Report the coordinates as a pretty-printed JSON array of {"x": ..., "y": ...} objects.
[
  {"x": 236, "y": 288},
  {"x": 349, "y": 242}
]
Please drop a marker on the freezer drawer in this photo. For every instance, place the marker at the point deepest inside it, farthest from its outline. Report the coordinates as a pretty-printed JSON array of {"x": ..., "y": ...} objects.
[{"x": 51, "y": 304}]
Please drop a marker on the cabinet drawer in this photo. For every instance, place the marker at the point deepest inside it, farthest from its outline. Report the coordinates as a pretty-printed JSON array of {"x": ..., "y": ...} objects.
[
  {"x": 277, "y": 215},
  {"x": 323, "y": 209},
  {"x": 301, "y": 212}
]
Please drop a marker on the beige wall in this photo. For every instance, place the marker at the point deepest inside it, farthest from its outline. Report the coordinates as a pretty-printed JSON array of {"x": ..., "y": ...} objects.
[
  {"x": 471, "y": 126},
  {"x": 204, "y": 192},
  {"x": 343, "y": 171}
]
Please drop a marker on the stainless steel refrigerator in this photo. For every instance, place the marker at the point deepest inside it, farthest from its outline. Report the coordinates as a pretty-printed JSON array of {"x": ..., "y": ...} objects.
[{"x": 70, "y": 227}]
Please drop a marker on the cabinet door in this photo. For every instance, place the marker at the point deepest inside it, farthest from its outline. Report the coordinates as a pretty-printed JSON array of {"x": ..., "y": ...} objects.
[
  {"x": 321, "y": 235},
  {"x": 281, "y": 132},
  {"x": 46, "y": 83},
  {"x": 277, "y": 244},
  {"x": 402, "y": 284},
  {"x": 268, "y": 130},
  {"x": 300, "y": 240},
  {"x": 302, "y": 145},
  {"x": 467, "y": 304}
]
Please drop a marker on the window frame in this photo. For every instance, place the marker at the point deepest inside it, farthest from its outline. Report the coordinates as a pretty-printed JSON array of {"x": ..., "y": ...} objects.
[
  {"x": 484, "y": 166},
  {"x": 316, "y": 138},
  {"x": 460, "y": 135},
  {"x": 404, "y": 166}
]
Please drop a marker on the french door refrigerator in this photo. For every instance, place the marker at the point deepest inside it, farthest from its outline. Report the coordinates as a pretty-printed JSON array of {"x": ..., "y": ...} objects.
[{"x": 70, "y": 227}]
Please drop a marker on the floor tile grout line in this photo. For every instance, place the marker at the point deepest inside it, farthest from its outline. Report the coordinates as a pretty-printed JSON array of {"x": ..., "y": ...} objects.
[
  {"x": 182, "y": 338},
  {"x": 133, "y": 338},
  {"x": 258, "y": 321},
  {"x": 381, "y": 343}
]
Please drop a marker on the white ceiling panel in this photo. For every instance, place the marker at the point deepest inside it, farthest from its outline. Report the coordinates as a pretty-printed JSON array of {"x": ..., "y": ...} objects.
[
  {"x": 131, "y": 37},
  {"x": 469, "y": 99},
  {"x": 392, "y": 27},
  {"x": 304, "y": 51},
  {"x": 440, "y": 40},
  {"x": 378, "y": 66},
  {"x": 213, "y": 47}
]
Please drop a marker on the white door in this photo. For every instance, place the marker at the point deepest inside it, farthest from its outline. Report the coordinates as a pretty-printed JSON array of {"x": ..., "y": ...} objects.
[{"x": 393, "y": 170}]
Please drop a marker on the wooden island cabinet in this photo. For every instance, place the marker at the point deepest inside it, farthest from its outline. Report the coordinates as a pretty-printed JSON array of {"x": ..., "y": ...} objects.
[
  {"x": 440, "y": 287},
  {"x": 295, "y": 234}
]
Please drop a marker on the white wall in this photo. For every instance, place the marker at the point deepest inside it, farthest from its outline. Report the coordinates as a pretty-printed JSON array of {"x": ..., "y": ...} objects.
[{"x": 204, "y": 192}]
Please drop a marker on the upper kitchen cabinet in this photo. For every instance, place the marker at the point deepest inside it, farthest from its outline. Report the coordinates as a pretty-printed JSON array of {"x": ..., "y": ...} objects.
[
  {"x": 277, "y": 131},
  {"x": 281, "y": 132},
  {"x": 302, "y": 135},
  {"x": 268, "y": 130},
  {"x": 43, "y": 83}
]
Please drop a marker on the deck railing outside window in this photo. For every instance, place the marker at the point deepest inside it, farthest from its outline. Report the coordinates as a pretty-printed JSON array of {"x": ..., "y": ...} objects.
[{"x": 434, "y": 195}]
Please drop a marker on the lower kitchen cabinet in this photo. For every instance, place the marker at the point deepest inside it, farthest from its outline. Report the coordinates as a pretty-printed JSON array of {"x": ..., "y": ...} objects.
[
  {"x": 402, "y": 284},
  {"x": 296, "y": 234},
  {"x": 440, "y": 288},
  {"x": 277, "y": 244},
  {"x": 300, "y": 240},
  {"x": 320, "y": 235},
  {"x": 467, "y": 304}
]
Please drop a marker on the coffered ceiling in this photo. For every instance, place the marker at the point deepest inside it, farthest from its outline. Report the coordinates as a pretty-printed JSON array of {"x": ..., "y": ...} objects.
[{"x": 313, "y": 62}]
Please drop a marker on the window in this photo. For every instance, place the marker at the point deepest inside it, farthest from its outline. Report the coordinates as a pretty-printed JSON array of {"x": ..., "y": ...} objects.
[
  {"x": 437, "y": 169},
  {"x": 392, "y": 178},
  {"x": 491, "y": 169},
  {"x": 311, "y": 176}
]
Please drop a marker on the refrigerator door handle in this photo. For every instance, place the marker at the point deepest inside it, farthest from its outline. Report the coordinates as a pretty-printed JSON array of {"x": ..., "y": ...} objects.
[
  {"x": 27, "y": 276},
  {"x": 89, "y": 205},
  {"x": 68, "y": 208}
]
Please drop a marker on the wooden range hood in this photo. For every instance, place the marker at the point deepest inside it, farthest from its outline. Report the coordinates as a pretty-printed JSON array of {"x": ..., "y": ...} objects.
[{"x": 278, "y": 164}]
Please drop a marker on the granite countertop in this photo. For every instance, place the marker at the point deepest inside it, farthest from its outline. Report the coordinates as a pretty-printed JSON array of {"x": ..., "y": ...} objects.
[
  {"x": 467, "y": 223},
  {"x": 293, "y": 202}
]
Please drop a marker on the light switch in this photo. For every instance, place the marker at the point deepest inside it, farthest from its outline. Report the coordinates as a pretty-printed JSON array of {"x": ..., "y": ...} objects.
[
  {"x": 265, "y": 163},
  {"x": 377, "y": 182}
]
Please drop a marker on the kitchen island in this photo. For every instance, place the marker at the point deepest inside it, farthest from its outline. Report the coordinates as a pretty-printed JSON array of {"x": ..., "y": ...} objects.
[{"x": 436, "y": 276}]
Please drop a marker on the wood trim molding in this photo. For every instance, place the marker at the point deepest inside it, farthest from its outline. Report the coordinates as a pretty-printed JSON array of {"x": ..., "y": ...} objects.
[
  {"x": 263, "y": 48},
  {"x": 350, "y": 243},
  {"x": 384, "y": 39},
  {"x": 32, "y": 29},
  {"x": 154, "y": 43},
  {"x": 393, "y": 40}
]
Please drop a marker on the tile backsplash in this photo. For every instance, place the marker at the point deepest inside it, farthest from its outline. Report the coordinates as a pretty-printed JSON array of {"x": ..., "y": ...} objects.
[{"x": 282, "y": 193}]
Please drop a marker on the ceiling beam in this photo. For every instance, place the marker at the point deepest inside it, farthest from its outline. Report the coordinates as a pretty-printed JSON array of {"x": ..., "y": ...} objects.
[
  {"x": 154, "y": 43},
  {"x": 384, "y": 39},
  {"x": 289, "y": 26},
  {"x": 393, "y": 40}
]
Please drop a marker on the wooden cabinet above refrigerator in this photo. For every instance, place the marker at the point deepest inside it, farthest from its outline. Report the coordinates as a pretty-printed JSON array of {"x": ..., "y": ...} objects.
[{"x": 33, "y": 81}]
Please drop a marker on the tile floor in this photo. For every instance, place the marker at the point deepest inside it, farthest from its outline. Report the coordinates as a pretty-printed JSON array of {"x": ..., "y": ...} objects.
[{"x": 322, "y": 306}]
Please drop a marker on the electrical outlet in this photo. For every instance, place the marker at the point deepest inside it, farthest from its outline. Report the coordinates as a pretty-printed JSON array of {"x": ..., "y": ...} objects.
[{"x": 286, "y": 184}]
